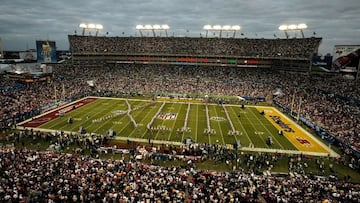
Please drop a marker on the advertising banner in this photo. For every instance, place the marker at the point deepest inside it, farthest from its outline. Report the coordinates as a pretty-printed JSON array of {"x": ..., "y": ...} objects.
[{"x": 46, "y": 51}]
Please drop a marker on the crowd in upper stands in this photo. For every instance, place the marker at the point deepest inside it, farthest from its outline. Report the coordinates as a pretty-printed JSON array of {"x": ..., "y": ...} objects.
[
  {"x": 295, "y": 48},
  {"x": 330, "y": 106}
]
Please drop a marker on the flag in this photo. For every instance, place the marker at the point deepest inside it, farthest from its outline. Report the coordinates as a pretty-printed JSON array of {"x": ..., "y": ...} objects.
[{"x": 242, "y": 34}]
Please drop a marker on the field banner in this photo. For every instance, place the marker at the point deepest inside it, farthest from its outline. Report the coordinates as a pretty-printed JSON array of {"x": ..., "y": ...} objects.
[{"x": 46, "y": 51}]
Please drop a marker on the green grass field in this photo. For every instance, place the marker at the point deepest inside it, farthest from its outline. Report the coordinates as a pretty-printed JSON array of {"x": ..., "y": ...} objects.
[{"x": 100, "y": 116}]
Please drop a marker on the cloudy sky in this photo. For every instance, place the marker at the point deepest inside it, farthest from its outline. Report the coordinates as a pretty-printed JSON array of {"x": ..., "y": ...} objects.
[{"x": 22, "y": 22}]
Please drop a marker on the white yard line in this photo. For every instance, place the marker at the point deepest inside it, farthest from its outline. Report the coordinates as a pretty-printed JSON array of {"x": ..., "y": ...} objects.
[{"x": 266, "y": 129}]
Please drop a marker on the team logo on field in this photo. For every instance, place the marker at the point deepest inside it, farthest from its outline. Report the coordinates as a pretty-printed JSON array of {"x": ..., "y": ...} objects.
[
  {"x": 215, "y": 118},
  {"x": 303, "y": 141},
  {"x": 167, "y": 116}
]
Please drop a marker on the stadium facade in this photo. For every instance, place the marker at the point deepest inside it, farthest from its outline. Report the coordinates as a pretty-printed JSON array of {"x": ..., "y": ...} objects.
[{"x": 283, "y": 54}]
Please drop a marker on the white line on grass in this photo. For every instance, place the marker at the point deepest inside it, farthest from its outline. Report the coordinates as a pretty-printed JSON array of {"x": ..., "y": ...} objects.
[
  {"x": 247, "y": 135},
  {"x": 222, "y": 136},
  {"x": 172, "y": 129},
  {"x": 266, "y": 128},
  {"x": 256, "y": 129}
]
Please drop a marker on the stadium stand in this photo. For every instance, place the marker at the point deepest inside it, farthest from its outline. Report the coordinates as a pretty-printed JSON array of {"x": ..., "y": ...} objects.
[
  {"x": 328, "y": 101},
  {"x": 53, "y": 177},
  {"x": 294, "y": 54}
]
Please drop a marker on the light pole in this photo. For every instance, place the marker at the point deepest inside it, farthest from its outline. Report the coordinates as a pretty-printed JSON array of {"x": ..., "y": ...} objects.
[
  {"x": 92, "y": 26},
  {"x": 153, "y": 29},
  {"x": 293, "y": 27},
  {"x": 221, "y": 29}
]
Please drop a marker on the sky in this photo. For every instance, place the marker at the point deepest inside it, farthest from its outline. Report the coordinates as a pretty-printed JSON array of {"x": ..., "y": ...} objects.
[{"x": 23, "y": 22}]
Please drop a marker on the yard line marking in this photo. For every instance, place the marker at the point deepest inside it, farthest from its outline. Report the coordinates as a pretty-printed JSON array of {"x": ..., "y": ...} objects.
[
  {"x": 266, "y": 128},
  {"x": 222, "y": 136},
  {"x": 242, "y": 127},
  {"x": 256, "y": 129},
  {"x": 88, "y": 121},
  {"x": 177, "y": 116}
]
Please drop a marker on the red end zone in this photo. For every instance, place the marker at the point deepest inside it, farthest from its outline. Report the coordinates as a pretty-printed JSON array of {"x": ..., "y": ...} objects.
[{"x": 55, "y": 113}]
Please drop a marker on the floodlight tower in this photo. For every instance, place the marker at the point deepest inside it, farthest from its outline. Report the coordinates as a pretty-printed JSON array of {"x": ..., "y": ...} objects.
[
  {"x": 140, "y": 28},
  {"x": 153, "y": 28},
  {"x": 235, "y": 28},
  {"x": 207, "y": 28},
  {"x": 165, "y": 28},
  {"x": 284, "y": 28},
  {"x": 83, "y": 26},
  {"x": 300, "y": 27},
  {"x": 293, "y": 27},
  {"x": 98, "y": 27},
  {"x": 150, "y": 27},
  {"x": 93, "y": 26},
  {"x": 226, "y": 28}
]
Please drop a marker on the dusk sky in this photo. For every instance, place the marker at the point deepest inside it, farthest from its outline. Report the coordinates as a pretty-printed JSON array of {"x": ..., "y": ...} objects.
[{"x": 24, "y": 22}]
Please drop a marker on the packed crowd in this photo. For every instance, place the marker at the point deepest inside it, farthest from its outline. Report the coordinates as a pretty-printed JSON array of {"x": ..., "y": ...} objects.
[
  {"x": 31, "y": 176},
  {"x": 295, "y": 48},
  {"x": 327, "y": 100}
]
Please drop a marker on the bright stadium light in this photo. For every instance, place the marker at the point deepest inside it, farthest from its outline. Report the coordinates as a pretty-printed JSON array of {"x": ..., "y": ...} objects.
[
  {"x": 148, "y": 27},
  {"x": 99, "y": 26},
  {"x": 91, "y": 26},
  {"x": 217, "y": 27},
  {"x": 293, "y": 27},
  {"x": 226, "y": 28},
  {"x": 152, "y": 28},
  {"x": 165, "y": 27},
  {"x": 235, "y": 27},
  {"x": 85, "y": 26},
  {"x": 207, "y": 27},
  {"x": 139, "y": 27},
  {"x": 156, "y": 27},
  {"x": 283, "y": 27},
  {"x": 302, "y": 26}
]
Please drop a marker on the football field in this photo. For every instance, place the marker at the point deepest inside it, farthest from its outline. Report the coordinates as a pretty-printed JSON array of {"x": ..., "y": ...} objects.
[{"x": 256, "y": 128}]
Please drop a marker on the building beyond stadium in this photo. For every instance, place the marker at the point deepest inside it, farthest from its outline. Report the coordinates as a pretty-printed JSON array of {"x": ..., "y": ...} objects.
[{"x": 286, "y": 54}]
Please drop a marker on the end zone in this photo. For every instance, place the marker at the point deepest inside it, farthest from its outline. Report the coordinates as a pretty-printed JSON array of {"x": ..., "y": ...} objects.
[{"x": 299, "y": 137}]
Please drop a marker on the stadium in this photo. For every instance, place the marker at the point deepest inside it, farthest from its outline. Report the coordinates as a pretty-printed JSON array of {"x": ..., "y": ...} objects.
[{"x": 182, "y": 119}]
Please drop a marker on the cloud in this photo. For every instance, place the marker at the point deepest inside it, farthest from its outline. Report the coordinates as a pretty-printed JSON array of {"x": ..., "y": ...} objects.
[{"x": 23, "y": 22}]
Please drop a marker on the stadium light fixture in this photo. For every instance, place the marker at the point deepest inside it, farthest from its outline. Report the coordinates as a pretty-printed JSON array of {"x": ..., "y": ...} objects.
[
  {"x": 235, "y": 27},
  {"x": 152, "y": 28},
  {"x": 283, "y": 27},
  {"x": 91, "y": 26},
  {"x": 139, "y": 27},
  {"x": 85, "y": 26},
  {"x": 165, "y": 27},
  {"x": 293, "y": 27},
  {"x": 226, "y": 28},
  {"x": 207, "y": 27},
  {"x": 148, "y": 27}
]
